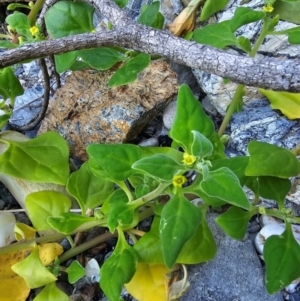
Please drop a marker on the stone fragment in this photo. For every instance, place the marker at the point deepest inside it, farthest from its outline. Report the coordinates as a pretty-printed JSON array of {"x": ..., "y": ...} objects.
[
  {"x": 220, "y": 93},
  {"x": 85, "y": 110},
  {"x": 149, "y": 142},
  {"x": 259, "y": 122},
  {"x": 169, "y": 115},
  {"x": 234, "y": 274}
]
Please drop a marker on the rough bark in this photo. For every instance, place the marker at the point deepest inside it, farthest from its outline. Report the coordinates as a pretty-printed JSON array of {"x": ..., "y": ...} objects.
[{"x": 270, "y": 73}]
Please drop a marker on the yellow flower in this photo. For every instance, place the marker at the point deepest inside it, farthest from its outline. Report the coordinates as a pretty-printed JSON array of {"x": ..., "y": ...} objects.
[
  {"x": 268, "y": 8},
  {"x": 34, "y": 30},
  {"x": 189, "y": 159},
  {"x": 178, "y": 181}
]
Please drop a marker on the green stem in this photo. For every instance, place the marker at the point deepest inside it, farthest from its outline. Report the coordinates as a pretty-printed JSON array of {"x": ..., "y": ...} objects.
[
  {"x": 238, "y": 93},
  {"x": 231, "y": 108},
  {"x": 87, "y": 245},
  {"x": 278, "y": 214},
  {"x": 34, "y": 11},
  {"x": 153, "y": 194},
  {"x": 5, "y": 36},
  {"x": 122, "y": 185}
]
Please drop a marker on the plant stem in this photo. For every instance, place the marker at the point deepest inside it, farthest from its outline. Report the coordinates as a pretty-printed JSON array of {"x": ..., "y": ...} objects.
[
  {"x": 231, "y": 108},
  {"x": 34, "y": 11},
  {"x": 238, "y": 93},
  {"x": 87, "y": 245},
  {"x": 278, "y": 214}
]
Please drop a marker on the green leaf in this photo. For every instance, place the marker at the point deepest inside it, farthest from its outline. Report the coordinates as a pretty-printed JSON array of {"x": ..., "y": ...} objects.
[
  {"x": 274, "y": 188},
  {"x": 101, "y": 58},
  {"x": 244, "y": 43},
  {"x": 79, "y": 65},
  {"x": 273, "y": 23},
  {"x": 10, "y": 86},
  {"x": 218, "y": 152},
  {"x": 32, "y": 270},
  {"x": 43, "y": 159},
  {"x": 75, "y": 271},
  {"x": 282, "y": 258},
  {"x": 115, "y": 159},
  {"x": 196, "y": 189},
  {"x": 179, "y": 221},
  {"x": 151, "y": 16},
  {"x": 64, "y": 61},
  {"x": 201, "y": 146},
  {"x": 288, "y": 103},
  {"x": 19, "y": 22},
  {"x": 148, "y": 247},
  {"x": 51, "y": 292},
  {"x": 287, "y": 10},
  {"x": 42, "y": 204},
  {"x": 121, "y": 3},
  {"x": 130, "y": 70},
  {"x": 271, "y": 160},
  {"x": 245, "y": 15},
  {"x": 201, "y": 247},
  {"x": 236, "y": 164},
  {"x": 67, "y": 223},
  {"x": 69, "y": 18},
  {"x": 153, "y": 166},
  {"x": 217, "y": 35},
  {"x": 120, "y": 267},
  {"x": 190, "y": 116},
  {"x": 235, "y": 222},
  {"x": 121, "y": 212},
  {"x": 211, "y": 7},
  {"x": 173, "y": 153},
  {"x": 3, "y": 120},
  {"x": 224, "y": 184},
  {"x": 90, "y": 191},
  {"x": 7, "y": 44},
  {"x": 293, "y": 35}
]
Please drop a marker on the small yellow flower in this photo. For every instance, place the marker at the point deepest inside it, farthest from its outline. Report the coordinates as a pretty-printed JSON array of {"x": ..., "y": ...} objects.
[
  {"x": 189, "y": 159},
  {"x": 178, "y": 181},
  {"x": 268, "y": 8},
  {"x": 34, "y": 30}
]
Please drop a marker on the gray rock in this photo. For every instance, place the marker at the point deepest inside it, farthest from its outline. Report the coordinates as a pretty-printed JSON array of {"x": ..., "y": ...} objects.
[
  {"x": 259, "y": 122},
  {"x": 235, "y": 274}
]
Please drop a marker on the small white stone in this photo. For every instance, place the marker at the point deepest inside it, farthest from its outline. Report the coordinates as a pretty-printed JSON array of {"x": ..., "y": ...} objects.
[
  {"x": 92, "y": 270},
  {"x": 265, "y": 220},
  {"x": 265, "y": 232},
  {"x": 7, "y": 224},
  {"x": 149, "y": 142},
  {"x": 169, "y": 114}
]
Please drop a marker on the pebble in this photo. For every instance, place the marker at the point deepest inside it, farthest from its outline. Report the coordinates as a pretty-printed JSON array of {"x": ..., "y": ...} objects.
[
  {"x": 169, "y": 115},
  {"x": 149, "y": 142}
]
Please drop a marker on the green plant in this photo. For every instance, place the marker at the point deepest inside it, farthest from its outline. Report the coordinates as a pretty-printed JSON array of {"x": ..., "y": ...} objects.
[{"x": 179, "y": 233}]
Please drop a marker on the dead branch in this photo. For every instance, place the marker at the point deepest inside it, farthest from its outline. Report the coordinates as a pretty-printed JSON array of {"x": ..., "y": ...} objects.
[{"x": 270, "y": 73}]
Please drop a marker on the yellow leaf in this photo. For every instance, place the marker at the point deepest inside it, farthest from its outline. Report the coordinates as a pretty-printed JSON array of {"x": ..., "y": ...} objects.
[
  {"x": 148, "y": 282},
  {"x": 287, "y": 103},
  {"x": 23, "y": 232},
  {"x": 12, "y": 286},
  {"x": 184, "y": 23}
]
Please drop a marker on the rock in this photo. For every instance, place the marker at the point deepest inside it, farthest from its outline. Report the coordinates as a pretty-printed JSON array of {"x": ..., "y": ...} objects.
[
  {"x": 259, "y": 122},
  {"x": 149, "y": 142},
  {"x": 219, "y": 93},
  {"x": 234, "y": 274},
  {"x": 169, "y": 115},
  {"x": 85, "y": 110},
  {"x": 7, "y": 224}
]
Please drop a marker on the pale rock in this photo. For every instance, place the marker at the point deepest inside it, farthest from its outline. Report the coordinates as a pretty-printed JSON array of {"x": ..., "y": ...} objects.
[
  {"x": 169, "y": 115},
  {"x": 85, "y": 110},
  {"x": 149, "y": 142},
  {"x": 7, "y": 224},
  {"x": 220, "y": 94}
]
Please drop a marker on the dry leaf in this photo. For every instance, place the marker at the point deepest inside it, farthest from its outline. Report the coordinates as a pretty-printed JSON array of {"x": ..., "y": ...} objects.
[{"x": 185, "y": 22}]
